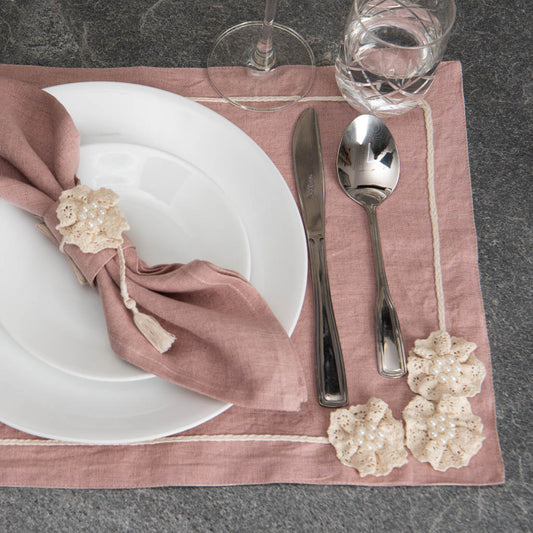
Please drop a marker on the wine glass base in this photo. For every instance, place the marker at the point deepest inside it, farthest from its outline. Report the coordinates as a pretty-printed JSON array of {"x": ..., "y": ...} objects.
[{"x": 257, "y": 82}]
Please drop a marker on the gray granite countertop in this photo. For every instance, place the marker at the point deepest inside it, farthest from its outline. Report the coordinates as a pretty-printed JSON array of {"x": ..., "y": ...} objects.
[{"x": 492, "y": 39}]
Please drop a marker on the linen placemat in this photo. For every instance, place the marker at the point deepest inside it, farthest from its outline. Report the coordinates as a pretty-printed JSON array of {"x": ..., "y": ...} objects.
[{"x": 430, "y": 251}]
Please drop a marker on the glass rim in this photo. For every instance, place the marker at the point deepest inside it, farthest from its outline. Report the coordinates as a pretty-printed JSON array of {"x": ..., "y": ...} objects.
[{"x": 432, "y": 42}]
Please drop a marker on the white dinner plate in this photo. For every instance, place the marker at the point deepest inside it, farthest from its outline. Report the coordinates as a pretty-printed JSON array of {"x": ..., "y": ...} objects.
[{"x": 253, "y": 226}]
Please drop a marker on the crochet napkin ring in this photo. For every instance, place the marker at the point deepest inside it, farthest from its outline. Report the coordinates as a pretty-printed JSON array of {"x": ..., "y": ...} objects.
[{"x": 92, "y": 221}]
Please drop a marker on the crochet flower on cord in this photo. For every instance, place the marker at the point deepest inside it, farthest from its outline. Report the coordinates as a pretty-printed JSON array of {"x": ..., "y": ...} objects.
[
  {"x": 441, "y": 365},
  {"x": 368, "y": 438},
  {"x": 90, "y": 219},
  {"x": 445, "y": 434}
]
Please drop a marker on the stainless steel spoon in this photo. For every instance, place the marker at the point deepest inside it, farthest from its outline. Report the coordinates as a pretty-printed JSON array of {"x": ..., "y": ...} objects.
[{"x": 368, "y": 168}]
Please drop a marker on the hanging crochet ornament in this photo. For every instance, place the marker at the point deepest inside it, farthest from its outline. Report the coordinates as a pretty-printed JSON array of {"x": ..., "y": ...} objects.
[
  {"x": 445, "y": 434},
  {"x": 442, "y": 364},
  {"x": 368, "y": 438},
  {"x": 92, "y": 221}
]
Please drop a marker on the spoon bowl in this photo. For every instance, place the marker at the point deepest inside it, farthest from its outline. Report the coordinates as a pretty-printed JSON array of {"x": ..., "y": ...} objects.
[
  {"x": 368, "y": 165},
  {"x": 368, "y": 168}
]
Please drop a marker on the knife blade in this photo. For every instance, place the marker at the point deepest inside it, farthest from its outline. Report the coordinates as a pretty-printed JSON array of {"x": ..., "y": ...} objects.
[{"x": 309, "y": 172}]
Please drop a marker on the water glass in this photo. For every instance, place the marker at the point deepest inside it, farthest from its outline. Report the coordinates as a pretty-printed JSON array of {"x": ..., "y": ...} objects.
[{"x": 390, "y": 52}]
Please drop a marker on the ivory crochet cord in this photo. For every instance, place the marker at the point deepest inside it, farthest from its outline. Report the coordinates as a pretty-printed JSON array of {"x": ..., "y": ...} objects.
[
  {"x": 430, "y": 154},
  {"x": 283, "y": 447}
]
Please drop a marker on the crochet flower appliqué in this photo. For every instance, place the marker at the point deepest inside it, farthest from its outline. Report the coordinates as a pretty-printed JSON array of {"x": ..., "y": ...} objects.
[
  {"x": 445, "y": 434},
  {"x": 368, "y": 438},
  {"x": 90, "y": 219},
  {"x": 442, "y": 365}
]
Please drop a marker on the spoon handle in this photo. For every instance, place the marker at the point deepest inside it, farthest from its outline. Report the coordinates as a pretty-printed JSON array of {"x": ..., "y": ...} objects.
[
  {"x": 389, "y": 342},
  {"x": 331, "y": 378}
]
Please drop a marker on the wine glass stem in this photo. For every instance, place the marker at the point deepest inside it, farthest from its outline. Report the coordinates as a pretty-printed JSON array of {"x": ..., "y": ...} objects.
[{"x": 264, "y": 57}]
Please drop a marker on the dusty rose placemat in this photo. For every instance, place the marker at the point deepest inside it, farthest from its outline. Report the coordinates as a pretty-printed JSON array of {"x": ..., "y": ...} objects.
[{"x": 243, "y": 446}]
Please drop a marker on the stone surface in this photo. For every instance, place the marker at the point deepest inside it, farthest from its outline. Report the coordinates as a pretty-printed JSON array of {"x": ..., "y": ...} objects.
[{"x": 492, "y": 39}]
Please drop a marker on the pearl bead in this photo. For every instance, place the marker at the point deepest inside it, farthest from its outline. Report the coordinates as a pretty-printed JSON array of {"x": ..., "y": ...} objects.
[
  {"x": 91, "y": 214},
  {"x": 99, "y": 220},
  {"x": 94, "y": 205},
  {"x": 82, "y": 216},
  {"x": 446, "y": 369},
  {"x": 90, "y": 224},
  {"x": 85, "y": 208},
  {"x": 441, "y": 428},
  {"x": 102, "y": 211},
  {"x": 369, "y": 438}
]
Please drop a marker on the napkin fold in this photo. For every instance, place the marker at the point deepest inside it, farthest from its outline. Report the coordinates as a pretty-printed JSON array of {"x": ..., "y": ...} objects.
[{"x": 229, "y": 345}]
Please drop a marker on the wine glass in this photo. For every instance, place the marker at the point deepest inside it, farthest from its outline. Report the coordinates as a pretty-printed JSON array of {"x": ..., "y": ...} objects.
[
  {"x": 274, "y": 67},
  {"x": 390, "y": 52}
]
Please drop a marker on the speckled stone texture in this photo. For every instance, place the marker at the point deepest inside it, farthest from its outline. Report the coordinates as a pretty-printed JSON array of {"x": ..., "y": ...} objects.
[{"x": 492, "y": 39}]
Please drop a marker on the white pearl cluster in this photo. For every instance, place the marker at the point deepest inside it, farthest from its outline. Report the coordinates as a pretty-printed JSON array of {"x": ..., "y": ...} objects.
[
  {"x": 446, "y": 369},
  {"x": 369, "y": 438},
  {"x": 93, "y": 213},
  {"x": 441, "y": 428}
]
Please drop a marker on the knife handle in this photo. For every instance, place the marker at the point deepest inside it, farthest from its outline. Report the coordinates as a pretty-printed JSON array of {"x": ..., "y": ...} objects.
[{"x": 331, "y": 378}]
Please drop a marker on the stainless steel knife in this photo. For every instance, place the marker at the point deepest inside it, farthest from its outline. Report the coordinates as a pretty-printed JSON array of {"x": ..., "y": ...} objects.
[{"x": 309, "y": 171}]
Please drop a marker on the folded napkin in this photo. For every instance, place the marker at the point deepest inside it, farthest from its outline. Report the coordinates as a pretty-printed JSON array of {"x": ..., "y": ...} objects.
[{"x": 228, "y": 344}]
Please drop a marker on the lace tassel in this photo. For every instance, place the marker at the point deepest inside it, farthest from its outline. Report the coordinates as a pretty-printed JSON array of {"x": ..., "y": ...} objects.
[
  {"x": 152, "y": 330},
  {"x": 156, "y": 335}
]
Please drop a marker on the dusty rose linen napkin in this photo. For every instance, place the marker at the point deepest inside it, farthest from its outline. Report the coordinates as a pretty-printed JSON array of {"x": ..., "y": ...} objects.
[
  {"x": 221, "y": 323},
  {"x": 245, "y": 445}
]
